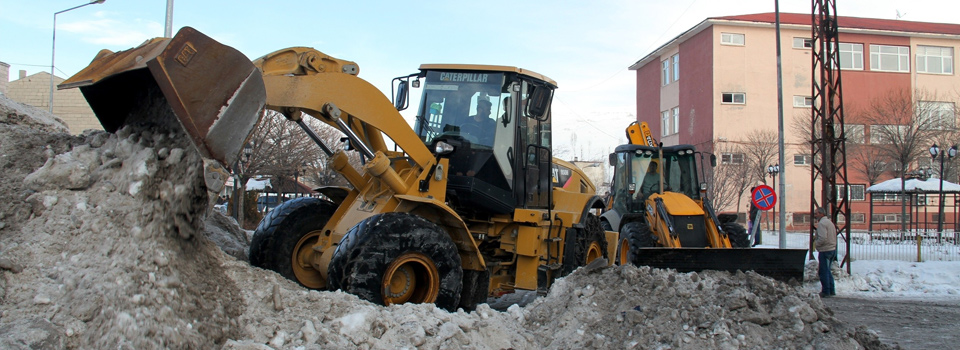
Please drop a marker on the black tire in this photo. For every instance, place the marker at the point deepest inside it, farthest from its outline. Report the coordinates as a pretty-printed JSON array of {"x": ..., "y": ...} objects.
[
  {"x": 725, "y": 218},
  {"x": 476, "y": 289},
  {"x": 639, "y": 236},
  {"x": 606, "y": 225},
  {"x": 737, "y": 233},
  {"x": 582, "y": 246},
  {"x": 391, "y": 245},
  {"x": 276, "y": 239}
]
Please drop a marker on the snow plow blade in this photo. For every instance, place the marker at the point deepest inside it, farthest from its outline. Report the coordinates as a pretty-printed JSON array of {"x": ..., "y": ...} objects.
[
  {"x": 214, "y": 90},
  {"x": 780, "y": 264}
]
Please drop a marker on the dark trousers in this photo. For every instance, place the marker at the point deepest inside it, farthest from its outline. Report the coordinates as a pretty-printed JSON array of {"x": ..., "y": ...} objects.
[{"x": 826, "y": 260}]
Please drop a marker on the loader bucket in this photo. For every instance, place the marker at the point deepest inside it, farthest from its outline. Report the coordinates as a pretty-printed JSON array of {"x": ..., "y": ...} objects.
[
  {"x": 213, "y": 89},
  {"x": 780, "y": 264}
]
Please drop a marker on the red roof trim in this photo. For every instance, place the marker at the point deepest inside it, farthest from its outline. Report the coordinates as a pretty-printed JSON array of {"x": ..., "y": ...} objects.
[{"x": 852, "y": 22}]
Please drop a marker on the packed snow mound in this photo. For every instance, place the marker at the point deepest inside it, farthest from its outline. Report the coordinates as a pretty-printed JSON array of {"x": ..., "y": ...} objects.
[
  {"x": 14, "y": 112},
  {"x": 111, "y": 244},
  {"x": 628, "y": 307}
]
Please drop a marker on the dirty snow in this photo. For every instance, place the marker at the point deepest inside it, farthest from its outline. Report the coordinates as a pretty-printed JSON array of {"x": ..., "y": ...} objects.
[{"x": 107, "y": 241}]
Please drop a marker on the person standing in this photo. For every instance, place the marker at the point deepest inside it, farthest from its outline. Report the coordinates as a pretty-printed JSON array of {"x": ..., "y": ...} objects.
[
  {"x": 752, "y": 220},
  {"x": 826, "y": 245}
]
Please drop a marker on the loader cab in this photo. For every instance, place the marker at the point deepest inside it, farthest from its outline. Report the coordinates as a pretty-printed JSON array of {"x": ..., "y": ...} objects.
[
  {"x": 493, "y": 124},
  {"x": 636, "y": 174}
]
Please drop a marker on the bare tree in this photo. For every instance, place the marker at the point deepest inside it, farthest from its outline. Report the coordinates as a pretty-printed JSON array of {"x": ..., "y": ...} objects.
[
  {"x": 901, "y": 127},
  {"x": 760, "y": 150},
  {"x": 869, "y": 161},
  {"x": 319, "y": 171},
  {"x": 729, "y": 179}
]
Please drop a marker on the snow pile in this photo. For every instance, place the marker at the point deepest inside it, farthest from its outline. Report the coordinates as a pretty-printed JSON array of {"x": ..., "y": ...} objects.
[
  {"x": 13, "y": 112},
  {"x": 102, "y": 245},
  {"x": 895, "y": 278},
  {"x": 629, "y": 307}
]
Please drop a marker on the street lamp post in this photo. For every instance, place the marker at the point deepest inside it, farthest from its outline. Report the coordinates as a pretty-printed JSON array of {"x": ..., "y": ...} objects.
[
  {"x": 53, "y": 51},
  {"x": 773, "y": 170},
  {"x": 934, "y": 152}
]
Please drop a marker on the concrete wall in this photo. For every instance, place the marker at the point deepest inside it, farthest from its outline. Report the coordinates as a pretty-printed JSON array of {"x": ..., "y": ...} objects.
[
  {"x": 68, "y": 104},
  {"x": 697, "y": 97},
  {"x": 648, "y": 96},
  {"x": 4, "y": 77}
]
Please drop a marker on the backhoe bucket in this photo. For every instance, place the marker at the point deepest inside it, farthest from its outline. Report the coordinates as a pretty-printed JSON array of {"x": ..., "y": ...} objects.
[
  {"x": 780, "y": 264},
  {"x": 214, "y": 90}
]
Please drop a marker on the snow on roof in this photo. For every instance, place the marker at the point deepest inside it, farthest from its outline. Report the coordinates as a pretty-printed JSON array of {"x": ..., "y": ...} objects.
[
  {"x": 914, "y": 185},
  {"x": 258, "y": 185}
]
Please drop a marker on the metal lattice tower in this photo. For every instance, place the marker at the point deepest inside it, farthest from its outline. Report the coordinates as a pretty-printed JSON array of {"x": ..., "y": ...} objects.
[{"x": 827, "y": 132}]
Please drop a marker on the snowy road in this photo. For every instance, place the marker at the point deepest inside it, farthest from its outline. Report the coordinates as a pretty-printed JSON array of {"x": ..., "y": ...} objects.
[{"x": 914, "y": 324}]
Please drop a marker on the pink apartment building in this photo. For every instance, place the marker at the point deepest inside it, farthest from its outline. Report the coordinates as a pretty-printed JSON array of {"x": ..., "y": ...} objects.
[{"x": 717, "y": 82}]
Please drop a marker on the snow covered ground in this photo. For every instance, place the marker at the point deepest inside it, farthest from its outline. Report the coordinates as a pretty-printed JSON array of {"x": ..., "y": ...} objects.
[{"x": 885, "y": 270}]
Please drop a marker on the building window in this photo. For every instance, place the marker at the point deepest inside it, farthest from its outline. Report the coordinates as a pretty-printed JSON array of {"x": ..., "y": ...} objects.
[
  {"x": 733, "y": 97},
  {"x": 851, "y": 56},
  {"x": 880, "y": 218},
  {"x": 801, "y": 159},
  {"x": 889, "y": 58},
  {"x": 938, "y": 115},
  {"x": 676, "y": 66},
  {"x": 731, "y": 158},
  {"x": 676, "y": 120},
  {"x": 731, "y": 39},
  {"x": 885, "y": 197},
  {"x": 664, "y": 123},
  {"x": 855, "y": 192},
  {"x": 802, "y": 43},
  {"x": 934, "y": 60},
  {"x": 854, "y": 132},
  {"x": 665, "y": 72},
  {"x": 802, "y": 101},
  {"x": 801, "y": 218},
  {"x": 857, "y": 218}
]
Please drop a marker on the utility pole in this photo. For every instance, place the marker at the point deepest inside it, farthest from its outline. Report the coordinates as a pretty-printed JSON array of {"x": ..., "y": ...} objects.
[
  {"x": 828, "y": 134},
  {"x": 168, "y": 27},
  {"x": 781, "y": 173}
]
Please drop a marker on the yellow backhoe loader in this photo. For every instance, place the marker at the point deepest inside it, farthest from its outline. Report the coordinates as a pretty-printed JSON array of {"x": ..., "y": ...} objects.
[
  {"x": 665, "y": 218},
  {"x": 462, "y": 208}
]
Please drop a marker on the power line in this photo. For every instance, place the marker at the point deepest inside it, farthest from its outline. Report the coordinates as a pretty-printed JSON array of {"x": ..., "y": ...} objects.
[{"x": 582, "y": 118}]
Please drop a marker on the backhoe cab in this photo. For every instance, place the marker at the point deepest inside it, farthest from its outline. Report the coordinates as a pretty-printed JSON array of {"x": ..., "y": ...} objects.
[
  {"x": 499, "y": 150},
  {"x": 465, "y": 205}
]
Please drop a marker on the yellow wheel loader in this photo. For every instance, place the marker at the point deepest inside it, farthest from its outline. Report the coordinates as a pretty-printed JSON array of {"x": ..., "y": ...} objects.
[
  {"x": 665, "y": 219},
  {"x": 458, "y": 208}
]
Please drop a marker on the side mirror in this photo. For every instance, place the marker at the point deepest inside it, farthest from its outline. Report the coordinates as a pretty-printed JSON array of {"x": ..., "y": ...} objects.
[
  {"x": 402, "y": 99},
  {"x": 539, "y": 102},
  {"x": 613, "y": 159},
  {"x": 713, "y": 160}
]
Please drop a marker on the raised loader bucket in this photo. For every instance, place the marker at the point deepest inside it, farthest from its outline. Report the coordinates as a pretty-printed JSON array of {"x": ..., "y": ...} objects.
[
  {"x": 214, "y": 90},
  {"x": 780, "y": 264}
]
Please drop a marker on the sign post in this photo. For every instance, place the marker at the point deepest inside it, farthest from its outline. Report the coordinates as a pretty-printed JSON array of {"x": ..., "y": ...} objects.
[{"x": 764, "y": 198}]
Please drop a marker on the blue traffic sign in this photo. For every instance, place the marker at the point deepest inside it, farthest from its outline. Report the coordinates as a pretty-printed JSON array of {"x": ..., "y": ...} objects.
[{"x": 764, "y": 197}]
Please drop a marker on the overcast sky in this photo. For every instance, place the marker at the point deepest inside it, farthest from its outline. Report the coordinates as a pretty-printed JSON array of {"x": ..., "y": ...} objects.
[{"x": 586, "y": 46}]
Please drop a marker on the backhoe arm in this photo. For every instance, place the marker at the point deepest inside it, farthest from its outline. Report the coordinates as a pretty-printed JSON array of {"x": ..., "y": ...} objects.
[{"x": 327, "y": 88}]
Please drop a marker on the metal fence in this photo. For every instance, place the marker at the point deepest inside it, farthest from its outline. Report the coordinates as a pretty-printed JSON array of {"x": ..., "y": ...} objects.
[{"x": 884, "y": 245}]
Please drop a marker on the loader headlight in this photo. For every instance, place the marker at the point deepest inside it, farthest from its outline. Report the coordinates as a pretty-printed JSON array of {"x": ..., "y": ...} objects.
[{"x": 443, "y": 148}]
